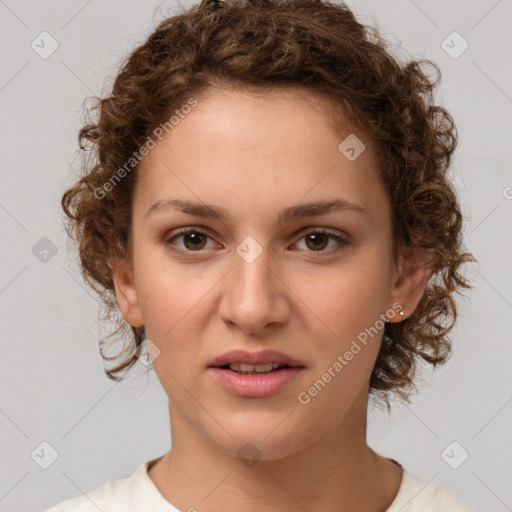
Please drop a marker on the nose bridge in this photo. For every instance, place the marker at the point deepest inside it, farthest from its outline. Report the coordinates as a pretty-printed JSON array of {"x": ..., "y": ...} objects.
[
  {"x": 253, "y": 297},
  {"x": 251, "y": 277}
]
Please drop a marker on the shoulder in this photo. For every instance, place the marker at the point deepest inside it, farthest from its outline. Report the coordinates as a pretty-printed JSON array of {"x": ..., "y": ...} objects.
[
  {"x": 121, "y": 495},
  {"x": 109, "y": 496},
  {"x": 418, "y": 495}
]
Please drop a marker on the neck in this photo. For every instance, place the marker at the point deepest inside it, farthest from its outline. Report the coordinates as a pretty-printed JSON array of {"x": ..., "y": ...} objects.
[{"x": 337, "y": 473}]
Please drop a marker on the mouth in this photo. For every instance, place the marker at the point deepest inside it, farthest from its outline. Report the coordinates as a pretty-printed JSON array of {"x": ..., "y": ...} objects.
[
  {"x": 265, "y": 361},
  {"x": 255, "y": 374},
  {"x": 256, "y": 369}
]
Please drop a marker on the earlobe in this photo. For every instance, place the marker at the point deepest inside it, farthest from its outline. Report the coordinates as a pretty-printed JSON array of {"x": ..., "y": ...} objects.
[
  {"x": 412, "y": 280},
  {"x": 126, "y": 292}
]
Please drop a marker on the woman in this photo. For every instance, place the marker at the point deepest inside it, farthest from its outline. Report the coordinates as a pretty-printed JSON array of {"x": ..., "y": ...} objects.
[{"x": 270, "y": 211}]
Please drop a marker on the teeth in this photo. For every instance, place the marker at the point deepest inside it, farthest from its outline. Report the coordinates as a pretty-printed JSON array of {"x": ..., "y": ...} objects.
[{"x": 258, "y": 368}]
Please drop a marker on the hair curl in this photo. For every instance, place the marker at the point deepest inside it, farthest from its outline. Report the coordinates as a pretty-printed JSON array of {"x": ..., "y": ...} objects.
[{"x": 264, "y": 46}]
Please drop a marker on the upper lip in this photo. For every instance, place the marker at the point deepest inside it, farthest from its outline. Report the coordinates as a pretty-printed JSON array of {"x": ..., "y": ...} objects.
[{"x": 262, "y": 357}]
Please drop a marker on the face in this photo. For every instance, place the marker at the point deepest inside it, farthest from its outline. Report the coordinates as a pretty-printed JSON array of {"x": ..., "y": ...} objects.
[{"x": 315, "y": 288}]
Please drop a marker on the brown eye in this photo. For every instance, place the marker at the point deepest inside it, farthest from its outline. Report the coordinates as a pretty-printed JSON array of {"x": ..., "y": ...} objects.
[
  {"x": 193, "y": 240},
  {"x": 317, "y": 241}
]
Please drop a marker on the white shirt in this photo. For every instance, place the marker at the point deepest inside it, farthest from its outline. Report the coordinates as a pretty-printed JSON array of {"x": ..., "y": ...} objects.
[{"x": 138, "y": 493}]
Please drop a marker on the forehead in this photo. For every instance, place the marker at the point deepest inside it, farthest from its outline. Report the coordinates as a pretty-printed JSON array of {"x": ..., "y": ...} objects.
[{"x": 278, "y": 148}]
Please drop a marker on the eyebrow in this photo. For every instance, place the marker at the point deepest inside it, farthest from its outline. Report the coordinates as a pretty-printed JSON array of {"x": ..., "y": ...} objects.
[{"x": 290, "y": 213}]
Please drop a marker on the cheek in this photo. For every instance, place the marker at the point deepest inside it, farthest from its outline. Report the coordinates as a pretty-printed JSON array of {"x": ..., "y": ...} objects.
[
  {"x": 167, "y": 291},
  {"x": 344, "y": 354},
  {"x": 346, "y": 299},
  {"x": 174, "y": 304},
  {"x": 345, "y": 330}
]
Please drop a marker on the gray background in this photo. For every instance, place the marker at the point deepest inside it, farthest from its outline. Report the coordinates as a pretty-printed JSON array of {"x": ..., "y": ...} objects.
[{"x": 53, "y": 388}]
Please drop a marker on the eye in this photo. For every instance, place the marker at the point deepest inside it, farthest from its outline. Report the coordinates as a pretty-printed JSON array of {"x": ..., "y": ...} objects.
[
  {"x": 193, "y": 239},
  {"x": 317, "y": 240}
]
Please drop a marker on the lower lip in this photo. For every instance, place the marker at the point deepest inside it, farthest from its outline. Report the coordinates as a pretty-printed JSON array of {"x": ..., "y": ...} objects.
[{"x": 255, "y": 386}]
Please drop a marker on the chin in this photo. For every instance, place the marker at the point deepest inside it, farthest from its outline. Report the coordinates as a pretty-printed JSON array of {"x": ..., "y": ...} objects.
[{"x": 258, "y": 437}]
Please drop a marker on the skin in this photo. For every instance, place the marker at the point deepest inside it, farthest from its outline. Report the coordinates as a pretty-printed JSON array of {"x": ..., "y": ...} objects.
[{"x": 253, "y": 156}]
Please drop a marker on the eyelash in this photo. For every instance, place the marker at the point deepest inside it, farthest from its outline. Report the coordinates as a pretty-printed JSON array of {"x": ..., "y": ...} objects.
[{"x": 342, "y": 241}]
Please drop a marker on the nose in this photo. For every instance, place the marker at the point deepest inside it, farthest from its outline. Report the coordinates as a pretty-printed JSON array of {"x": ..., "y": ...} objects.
[{"x": 254, "y": 295}]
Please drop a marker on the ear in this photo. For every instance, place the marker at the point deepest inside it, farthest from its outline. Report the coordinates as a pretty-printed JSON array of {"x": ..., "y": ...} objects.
[
  {"x": 126, "y": 293},
  {"x": 412, "y": 278}
]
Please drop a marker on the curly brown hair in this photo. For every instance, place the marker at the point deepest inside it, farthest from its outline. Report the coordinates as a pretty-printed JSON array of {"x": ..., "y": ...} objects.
[{"x": 262, "y": 46}]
